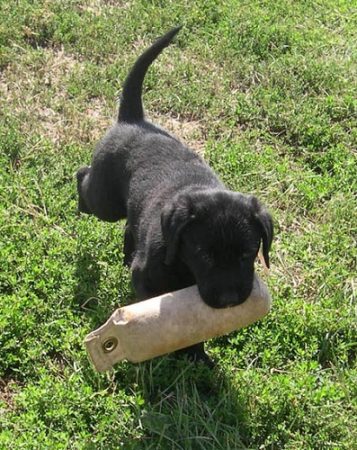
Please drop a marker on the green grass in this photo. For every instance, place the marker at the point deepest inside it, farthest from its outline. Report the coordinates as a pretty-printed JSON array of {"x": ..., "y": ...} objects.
[{"x": 267, "y": 91}]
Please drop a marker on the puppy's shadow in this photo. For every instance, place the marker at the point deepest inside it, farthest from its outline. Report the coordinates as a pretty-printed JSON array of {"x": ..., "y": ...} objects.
[
  {"x": 88, "y": 276},
  {"x": 188, "y": 405},
  {"x": 86, "y": 290},
  {"x": 88, "y": 294},
  {"x": 185, "y": 405}
]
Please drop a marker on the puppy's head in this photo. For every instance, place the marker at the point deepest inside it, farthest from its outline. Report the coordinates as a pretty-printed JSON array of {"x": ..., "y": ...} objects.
[
  {"x": 82, "y": 179},
  {"x": 217, "y": 234}
]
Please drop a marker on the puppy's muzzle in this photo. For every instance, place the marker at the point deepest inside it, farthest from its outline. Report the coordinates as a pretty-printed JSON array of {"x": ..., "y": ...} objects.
[{"x": 226, "y": 298}]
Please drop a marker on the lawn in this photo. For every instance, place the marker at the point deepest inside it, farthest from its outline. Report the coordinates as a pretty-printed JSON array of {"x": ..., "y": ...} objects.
[{"x": 266, "y": 91}]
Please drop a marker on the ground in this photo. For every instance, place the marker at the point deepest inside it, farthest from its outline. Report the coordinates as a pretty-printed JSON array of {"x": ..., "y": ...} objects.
[{"x": 266, "y": 92}]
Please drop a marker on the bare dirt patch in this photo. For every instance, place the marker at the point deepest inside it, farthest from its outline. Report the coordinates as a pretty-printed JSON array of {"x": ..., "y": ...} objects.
[
  {"x": 96, "y": 6},
  {"x": 7, "y": 392},
  {"x": 190, "y": 132}
]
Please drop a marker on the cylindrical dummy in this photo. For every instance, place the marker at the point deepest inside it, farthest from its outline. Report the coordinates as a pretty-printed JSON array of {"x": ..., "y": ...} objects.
[{"x": 169, "y": 322}]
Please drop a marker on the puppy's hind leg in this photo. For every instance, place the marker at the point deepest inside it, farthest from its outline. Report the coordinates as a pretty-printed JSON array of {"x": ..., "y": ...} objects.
[
  {"x": 155, "y": 279},
  {"x": 129, "y": 246},
  {"x": 103, "y": 190}
]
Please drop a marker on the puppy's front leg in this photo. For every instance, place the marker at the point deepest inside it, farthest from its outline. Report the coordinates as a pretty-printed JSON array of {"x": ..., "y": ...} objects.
[
  {"x": 196, "y": 353},
  {"x": 149, "y": 280},
  {"x": 156, "y": 279}
]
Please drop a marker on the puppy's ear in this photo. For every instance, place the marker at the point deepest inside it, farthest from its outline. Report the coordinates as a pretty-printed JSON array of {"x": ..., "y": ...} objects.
[
  {"x": 265, "y": 223},
  {"x": 174, "y": 217}
]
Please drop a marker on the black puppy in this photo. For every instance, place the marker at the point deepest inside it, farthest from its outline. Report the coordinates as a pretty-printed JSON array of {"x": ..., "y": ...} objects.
[{"x": 184, "y": 226}]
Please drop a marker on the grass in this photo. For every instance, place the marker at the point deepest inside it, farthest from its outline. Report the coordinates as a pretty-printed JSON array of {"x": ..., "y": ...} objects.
[{"x": 266, "y": 90}]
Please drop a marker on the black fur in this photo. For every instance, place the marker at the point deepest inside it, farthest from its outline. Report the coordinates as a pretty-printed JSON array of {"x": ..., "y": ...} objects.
[{"x": 184, "y": 226}]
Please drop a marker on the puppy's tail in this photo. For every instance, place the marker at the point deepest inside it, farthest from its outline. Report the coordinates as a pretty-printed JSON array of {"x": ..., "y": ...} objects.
[{"x": 131, "y": 107}]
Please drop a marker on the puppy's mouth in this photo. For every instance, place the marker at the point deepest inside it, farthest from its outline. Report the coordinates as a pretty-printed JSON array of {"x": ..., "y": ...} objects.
[{"x": 225, "y": 299}]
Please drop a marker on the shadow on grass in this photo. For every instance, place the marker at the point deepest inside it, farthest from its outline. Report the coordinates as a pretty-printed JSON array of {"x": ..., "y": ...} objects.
[
  {"x": 86, "y": 290},
  {"x": 88, "y": 276},
  {"x": 176, "y": 404},
  {"x": 88, "y": 293},
  {"x": 187, "y": 406}
]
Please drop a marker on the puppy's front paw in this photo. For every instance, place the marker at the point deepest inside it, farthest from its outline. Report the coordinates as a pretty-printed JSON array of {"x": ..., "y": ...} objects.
[{"x": 196, "y": 354}]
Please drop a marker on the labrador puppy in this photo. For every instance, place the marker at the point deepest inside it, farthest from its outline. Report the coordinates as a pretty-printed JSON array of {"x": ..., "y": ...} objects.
[{"x": 183, "y": 226}]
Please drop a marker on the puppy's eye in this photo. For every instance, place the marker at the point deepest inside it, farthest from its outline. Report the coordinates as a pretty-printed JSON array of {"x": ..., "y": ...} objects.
[
  {"x": 204, "y": 256},
  {"x": 200, "y": 253}
]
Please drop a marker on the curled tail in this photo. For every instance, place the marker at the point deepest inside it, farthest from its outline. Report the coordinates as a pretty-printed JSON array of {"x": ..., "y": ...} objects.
[{"x": 131, "y": 106}]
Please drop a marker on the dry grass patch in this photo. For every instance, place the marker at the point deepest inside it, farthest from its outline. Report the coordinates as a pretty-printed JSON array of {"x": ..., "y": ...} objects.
[
  {"x": 96, "y": 6},
  {"x": 190, "y": 132},
  {"x": 42, "y": 101}
]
